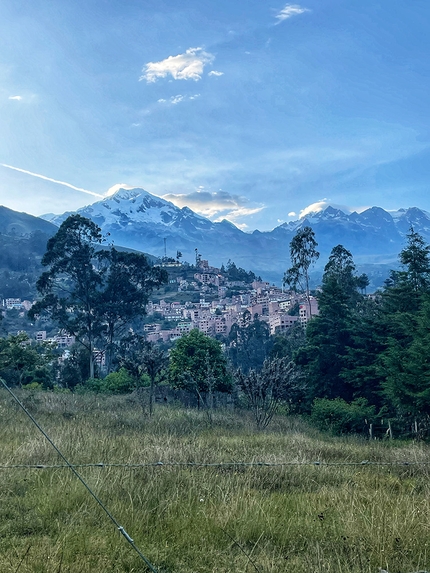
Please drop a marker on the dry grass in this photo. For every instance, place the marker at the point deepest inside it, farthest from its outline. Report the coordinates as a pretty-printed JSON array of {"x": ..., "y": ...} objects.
[{"x": 351, "y": 519}]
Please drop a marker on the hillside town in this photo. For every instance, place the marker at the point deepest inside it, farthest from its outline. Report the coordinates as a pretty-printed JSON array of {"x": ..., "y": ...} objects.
[
  {"x": 221, "y": 303},
  {"x": 270, "y": 303}
]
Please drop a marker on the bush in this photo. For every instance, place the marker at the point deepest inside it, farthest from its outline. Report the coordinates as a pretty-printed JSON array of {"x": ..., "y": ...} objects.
[
  {"x": 340, "y": 417},
  {"x": 120, "y": 382}
]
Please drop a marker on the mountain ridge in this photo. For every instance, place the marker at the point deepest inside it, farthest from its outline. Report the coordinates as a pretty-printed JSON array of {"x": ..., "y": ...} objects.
[{"x": 137, "y": 219}]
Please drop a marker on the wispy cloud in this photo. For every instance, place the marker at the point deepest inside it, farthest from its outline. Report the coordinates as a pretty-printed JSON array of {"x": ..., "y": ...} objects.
[
  {"x": 187, "y": 66},
  {"x": 52, "y": 180},
  {"x": 177, "y": 99},
  {"x": 112, "y": 190},
  {"x": 215, "y": 73},
  {"x": 16, "y": 98},
  {"x": 216, "y": 206},
  {"x": 289, "y": 11},
  {"x": 321, "y": 206}
]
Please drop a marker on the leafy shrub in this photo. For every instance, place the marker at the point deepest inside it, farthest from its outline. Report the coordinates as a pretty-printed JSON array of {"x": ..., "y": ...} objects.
[
  {"x": 120, "y": 382},
  {"x": 340, "y": 417},
  {"x": 33, "y": 386}
]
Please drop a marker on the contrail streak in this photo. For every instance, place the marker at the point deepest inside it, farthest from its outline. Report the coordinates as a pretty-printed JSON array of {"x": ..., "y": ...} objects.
[{"x": 52, "y": 180}]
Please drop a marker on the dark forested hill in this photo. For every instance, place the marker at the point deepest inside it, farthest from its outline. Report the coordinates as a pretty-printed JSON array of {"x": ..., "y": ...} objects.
[{"x": 15, "y": 223}]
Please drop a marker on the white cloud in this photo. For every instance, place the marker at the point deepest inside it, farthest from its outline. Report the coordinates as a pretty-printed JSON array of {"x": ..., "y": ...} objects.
[
  {"x": 216, "y": 206},
  {"x": 289, "y": 11},
  {"x": 292, "y": 214},
  {"x": 16, "y": 98},
  {"x": 52, "y": 180},
  {"x": 241, "y": 226},
  {"x": 215, "y": 73},
  {"x": 321, "y": 205},
  {"x": 239, "y": 213},
  {"x": 187, "y": 66},
  {"x": 112, "y": 190},
  {"x": 177, "y": 99}
]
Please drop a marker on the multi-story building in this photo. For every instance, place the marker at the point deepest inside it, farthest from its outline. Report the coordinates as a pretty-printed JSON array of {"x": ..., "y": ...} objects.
[
  {"x": 281, "y": 322},
  {"x": 11, "y": 303},
  {"x": 307, "y": 311}
]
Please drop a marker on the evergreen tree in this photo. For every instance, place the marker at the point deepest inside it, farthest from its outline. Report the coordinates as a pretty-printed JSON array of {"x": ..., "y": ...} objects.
[
  {"x": 287, "y": 344},
  {"x": 329, "y": 335},
  {"x": 407, "y": 366},
  {"x": 367, "y": 340},
  {"x": 415, "y": 258}
]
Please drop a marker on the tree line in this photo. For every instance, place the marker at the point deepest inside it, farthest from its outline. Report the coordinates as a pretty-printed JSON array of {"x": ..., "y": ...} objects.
[{"x": 366, "y": 358}]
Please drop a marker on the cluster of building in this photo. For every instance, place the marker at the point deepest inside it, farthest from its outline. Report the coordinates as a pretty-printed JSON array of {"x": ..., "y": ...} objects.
[
  {"x": 16, "y": 304},
  {"x": 270, "y": 303}
]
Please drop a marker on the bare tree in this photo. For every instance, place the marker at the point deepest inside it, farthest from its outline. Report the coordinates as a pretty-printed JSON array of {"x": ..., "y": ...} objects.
[
  {"x": 141, "y": 357},
  {"x": 279, "y": 381}
]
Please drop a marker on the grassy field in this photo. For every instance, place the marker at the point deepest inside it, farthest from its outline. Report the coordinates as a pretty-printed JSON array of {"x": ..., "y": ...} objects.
[{"x": 203, "y": 519}]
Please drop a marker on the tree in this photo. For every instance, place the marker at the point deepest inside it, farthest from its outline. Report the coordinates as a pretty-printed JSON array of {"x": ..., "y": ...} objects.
[
  {"x": 404, "y": 289},
  {"x": 249, "y": 342},
  {"x": 21, "y": 363},
  {"x": 415, "y": 258},
  {"x": 189, "y": 360},
  {"x": 75, "y": 369},
  {"x": 363, "y": 282},
  {"x": 235, "y": 273},
  {"x": 303, "y": 254},
  {"x": 407, "y": 367},
  {"x": 139, "y": 357},
  {"x": 278, "y": 381},
  {"x": 329, "y": 335},
  {"x": 367, "y": 341},
  {"x": 286, "y": 344},
  {"x": 341, "y": 268},
  {"x": 127, "y": 282},
  {"x": 405, "y": 318},
  {"x": 91, "y": 293},
  {"x": 70, "y": 285}
]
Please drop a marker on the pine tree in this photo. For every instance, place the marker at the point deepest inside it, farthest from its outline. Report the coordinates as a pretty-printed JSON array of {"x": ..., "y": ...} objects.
[{"x": 329, "y": 335}]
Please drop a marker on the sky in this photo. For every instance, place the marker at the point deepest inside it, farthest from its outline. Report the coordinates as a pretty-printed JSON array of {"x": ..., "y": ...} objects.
[{"x": 250, "y": 110}]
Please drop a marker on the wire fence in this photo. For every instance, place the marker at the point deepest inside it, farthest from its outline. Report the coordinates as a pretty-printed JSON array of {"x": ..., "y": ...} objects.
[
  {"x": 175, "y": 464},
  {"x": 213, "y": 464}
]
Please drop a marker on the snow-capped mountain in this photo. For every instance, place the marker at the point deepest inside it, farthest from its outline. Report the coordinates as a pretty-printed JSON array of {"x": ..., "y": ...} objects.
[{"x": 136, "y": 219}]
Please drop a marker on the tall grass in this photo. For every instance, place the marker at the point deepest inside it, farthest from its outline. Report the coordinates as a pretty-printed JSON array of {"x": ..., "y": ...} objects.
[{"x": 351, "y": 519}]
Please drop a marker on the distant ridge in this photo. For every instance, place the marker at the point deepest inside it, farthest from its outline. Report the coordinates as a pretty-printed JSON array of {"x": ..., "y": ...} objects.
[{"x": 13, "y": 222}]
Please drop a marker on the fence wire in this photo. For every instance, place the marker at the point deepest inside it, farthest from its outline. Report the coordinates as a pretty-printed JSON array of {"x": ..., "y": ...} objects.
[{"x": 167, "y": 464}]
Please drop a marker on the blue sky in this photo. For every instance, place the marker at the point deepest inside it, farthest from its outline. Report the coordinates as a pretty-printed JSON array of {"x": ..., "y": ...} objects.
[{"x": 249, "y": 110}]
